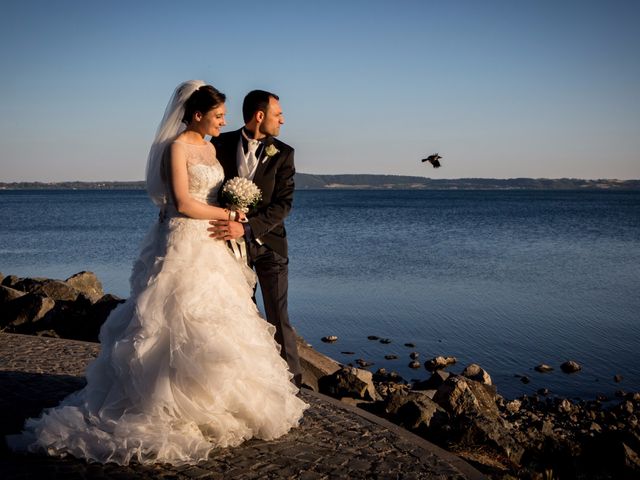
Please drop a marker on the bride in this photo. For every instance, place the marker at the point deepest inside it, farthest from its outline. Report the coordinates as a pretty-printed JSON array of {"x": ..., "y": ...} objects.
[{"x": 186, "y": 364}]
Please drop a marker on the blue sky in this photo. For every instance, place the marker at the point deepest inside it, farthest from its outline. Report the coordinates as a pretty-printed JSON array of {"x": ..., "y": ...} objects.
[{"x": 500, "y": 88}]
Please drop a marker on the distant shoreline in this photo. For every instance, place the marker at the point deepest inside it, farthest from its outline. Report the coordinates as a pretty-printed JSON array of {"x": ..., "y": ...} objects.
[{"x": 306, "y": 181}]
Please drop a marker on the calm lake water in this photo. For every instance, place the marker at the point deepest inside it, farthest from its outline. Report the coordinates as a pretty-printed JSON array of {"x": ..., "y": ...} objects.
[{"x": 505, "y": 279}]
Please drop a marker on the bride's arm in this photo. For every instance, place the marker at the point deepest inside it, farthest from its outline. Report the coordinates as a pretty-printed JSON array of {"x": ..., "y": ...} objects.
[{"x": 184, "y": 203}]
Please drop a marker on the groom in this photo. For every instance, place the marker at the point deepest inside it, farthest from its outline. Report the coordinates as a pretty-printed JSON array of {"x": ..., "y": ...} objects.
[{"x": 254, "y": 153}]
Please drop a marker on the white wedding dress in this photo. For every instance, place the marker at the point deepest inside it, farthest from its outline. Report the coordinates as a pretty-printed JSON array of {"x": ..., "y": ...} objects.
[{"x": 186, "y": 364}]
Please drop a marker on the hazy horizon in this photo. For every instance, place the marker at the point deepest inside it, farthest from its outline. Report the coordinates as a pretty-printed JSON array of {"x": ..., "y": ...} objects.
[
  {"x": 611, "y": 179},
  {"x": 500, "y": 89}
]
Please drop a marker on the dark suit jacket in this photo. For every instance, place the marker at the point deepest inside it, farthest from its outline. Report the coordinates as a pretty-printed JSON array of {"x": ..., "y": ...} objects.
[{"x": 274, "y": 176}]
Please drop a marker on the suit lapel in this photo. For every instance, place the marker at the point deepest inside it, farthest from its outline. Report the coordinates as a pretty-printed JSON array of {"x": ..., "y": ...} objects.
[
  {"x": 257, "y": 177},
  {"x": 264, "y": 161}
]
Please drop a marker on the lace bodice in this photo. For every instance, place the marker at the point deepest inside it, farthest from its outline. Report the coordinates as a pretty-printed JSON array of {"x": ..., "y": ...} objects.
[{"x": 205, "y": 172}]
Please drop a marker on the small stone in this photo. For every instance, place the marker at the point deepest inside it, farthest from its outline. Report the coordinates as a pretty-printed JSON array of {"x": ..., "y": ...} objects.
[
  {"x": 543, "y": 368},
  {"x": 329, "y": 339},
  {"x": 385, "y": 340},
  {"x": 565, "y": 406},
  {"x": 373, "y": 337},
  {"x": 410, "y": 345},
  {"x": 524, "y": 379},
  {"x": 617, "y": 378},
  {"x": 570, "y": 367},
  {"x": 391, "y": 357},
  {"x": 414, "y": 364},
  {"x": 543, "y": 391},
  {"x": 631, "y": 458},
  {"x": 513, "y": 406},
  {"x": 363, "y": 363},
  {"x": 601, "y": 397},
  {"x": 348, "y": 353},
  {"x": 414, "y": 355},
  {"x": 438, "y": 363}
]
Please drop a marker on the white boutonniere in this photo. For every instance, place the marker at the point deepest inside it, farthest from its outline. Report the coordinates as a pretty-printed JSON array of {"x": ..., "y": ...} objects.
[{"x": 271, "y": 150}]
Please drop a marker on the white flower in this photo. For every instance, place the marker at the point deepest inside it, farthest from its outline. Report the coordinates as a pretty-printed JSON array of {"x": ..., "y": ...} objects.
[
  {"x": 241, "y": 194},
  {"x": 271, "y": 150}
]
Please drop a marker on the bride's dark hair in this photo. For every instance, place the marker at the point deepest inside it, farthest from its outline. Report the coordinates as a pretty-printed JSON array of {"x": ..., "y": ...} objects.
[{"x": 202, "y": 100}]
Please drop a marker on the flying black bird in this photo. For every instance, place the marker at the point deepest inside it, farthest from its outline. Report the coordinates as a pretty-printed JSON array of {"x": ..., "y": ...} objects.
[{"x": 433, "y": 160}]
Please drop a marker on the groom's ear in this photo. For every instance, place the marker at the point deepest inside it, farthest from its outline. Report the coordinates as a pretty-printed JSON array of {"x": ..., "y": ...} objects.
[{"x": 259, "y": 116}]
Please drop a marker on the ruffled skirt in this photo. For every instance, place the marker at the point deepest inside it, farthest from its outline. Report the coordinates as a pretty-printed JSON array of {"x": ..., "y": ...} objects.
[{"x": 186, "y": 365}]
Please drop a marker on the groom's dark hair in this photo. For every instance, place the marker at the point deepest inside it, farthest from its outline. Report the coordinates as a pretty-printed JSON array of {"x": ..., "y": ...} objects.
[{"x": 256, "y": 101}]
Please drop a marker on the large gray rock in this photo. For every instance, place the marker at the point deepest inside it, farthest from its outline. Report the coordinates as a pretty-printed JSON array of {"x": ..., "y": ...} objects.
[
  {"x": 477, "y": 373},
  {"x": 475, "y": 418},
  {"x": 73, "y": 319},
  {"x": 314, "y": 364},
  {"x": 416, "y": 412},
  {"x": 101, "y": 309},
  {"x": 54, "y": 289},
  {"x": 459, "y": 395},
  {"x": 436, "y": 379},
  {"x": 88, "y": 284},
  {"x": 349, "y": 382},
  {"x": 10, "y": 280},
  {"x": 20, "y": 314},
  {"x": 8, "y": 294}
]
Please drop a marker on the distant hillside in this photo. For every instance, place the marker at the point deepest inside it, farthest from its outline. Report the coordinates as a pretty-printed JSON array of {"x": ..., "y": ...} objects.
[
  {"x": 133, "y": 185},
  {"x": 306, "y": 181},
  {"x": 380, "y": 182}
]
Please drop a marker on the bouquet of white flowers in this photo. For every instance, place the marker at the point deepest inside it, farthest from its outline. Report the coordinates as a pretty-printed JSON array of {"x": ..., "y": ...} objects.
[{"x": 241, "y": 194}]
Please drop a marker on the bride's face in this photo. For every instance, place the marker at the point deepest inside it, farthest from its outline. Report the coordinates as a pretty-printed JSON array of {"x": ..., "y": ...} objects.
[{"x": 213, "y": 120}]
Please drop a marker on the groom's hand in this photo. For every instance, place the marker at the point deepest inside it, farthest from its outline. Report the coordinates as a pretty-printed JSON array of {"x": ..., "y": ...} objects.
[{"x": 225, "y": 229}]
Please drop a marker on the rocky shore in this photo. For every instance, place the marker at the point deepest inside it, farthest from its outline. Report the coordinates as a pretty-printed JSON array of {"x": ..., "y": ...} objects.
[
  {"x": 538, "y": 437},
  {"x": 74, "y": 308}
]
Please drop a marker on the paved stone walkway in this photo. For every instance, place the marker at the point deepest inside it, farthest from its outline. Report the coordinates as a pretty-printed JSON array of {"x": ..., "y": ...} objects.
[{"x": 334, "y": 440}]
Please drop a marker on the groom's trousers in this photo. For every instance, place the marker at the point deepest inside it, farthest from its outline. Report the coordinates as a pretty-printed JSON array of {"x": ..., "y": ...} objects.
[{"x": 273, "y": 275}]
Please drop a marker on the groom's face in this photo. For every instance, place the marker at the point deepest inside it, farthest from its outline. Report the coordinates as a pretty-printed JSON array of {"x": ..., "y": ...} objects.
[{"x": 273, "y": 118}]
